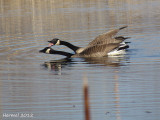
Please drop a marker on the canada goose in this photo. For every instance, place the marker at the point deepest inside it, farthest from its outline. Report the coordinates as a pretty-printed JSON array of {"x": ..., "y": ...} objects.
[
  {"x": 100, "y": 50},
  {"x": 105, "y": 38}
]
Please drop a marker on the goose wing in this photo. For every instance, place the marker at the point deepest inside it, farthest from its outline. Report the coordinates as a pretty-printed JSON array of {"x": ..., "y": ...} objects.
[
  {"x": 107, "y": 37},
  {"x": 99, "y": 50}
]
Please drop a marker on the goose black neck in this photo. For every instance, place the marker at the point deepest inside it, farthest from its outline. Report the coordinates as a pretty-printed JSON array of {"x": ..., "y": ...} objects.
[
  {"x": 61, "y": 53},
  {"x": 71, "y": 46}
]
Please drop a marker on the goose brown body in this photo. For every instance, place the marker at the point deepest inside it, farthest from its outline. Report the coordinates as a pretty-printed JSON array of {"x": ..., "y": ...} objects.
[{"x": 100, "y": 50}]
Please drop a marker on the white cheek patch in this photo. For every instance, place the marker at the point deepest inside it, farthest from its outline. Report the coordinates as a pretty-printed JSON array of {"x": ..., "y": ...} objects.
[
  {"x": 58, "y": 42},
  {"x": 48, "y": 51},
  {"x": 79, "y": 50}
]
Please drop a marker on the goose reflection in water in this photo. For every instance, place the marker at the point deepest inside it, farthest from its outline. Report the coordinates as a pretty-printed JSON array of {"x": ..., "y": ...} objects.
[{"x": 58, "y": 65}]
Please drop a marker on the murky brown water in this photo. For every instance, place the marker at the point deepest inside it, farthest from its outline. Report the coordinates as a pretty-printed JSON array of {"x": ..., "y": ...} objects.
[{"x": 47, "y": 87}]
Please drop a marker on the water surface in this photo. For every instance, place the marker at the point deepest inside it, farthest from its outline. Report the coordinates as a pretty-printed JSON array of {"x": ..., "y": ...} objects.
[{"x": 49, "y": 87}]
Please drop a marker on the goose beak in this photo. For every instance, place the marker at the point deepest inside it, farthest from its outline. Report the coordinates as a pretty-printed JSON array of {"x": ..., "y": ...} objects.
[
  {"x": 43, "y": 50},
  {"x": 40, "y": 51},
  {"x": 50, "y": 44}
]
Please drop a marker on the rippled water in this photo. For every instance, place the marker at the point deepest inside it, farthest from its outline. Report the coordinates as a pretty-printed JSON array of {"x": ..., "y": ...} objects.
[{"x": 49, "y": 87}]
